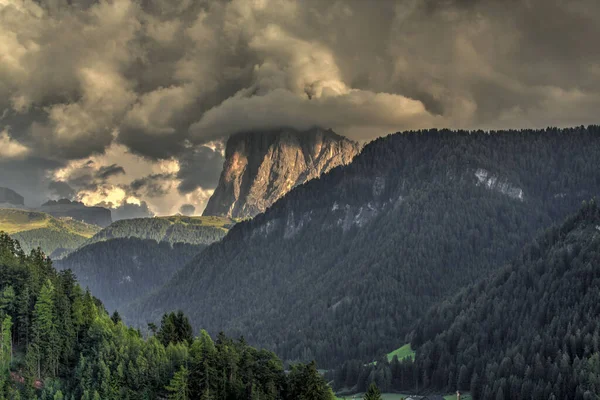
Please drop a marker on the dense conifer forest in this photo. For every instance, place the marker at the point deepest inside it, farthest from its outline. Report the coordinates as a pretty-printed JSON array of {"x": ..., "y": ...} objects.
[
  {"x": 173, "y": 229},
  {"x": 58, "y": 342},
  {"x": 529, "y": 331},
  {"x": 118, "y": 271},
  {"x": 342, "y": 266}
]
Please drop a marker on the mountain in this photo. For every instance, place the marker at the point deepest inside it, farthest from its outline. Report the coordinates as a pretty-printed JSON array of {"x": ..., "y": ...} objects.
[
  {"x": 172, "y": 229},
  {"x": 342, "y": 266},
  {"x": 132, "y": 257},
  {"x": 11, "y": 197},
  {"x": 36, "y": 229},
  {"x": 529, "y": 331},
  {"x": 58, "y": 342},
  {"x": 118, "y": 271},
  {"x": 261, "y": 167},
  {"x": 73, "y": 209}
]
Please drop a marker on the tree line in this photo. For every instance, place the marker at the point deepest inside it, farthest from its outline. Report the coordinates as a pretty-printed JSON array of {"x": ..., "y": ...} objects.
[
  {"x": 529, "y": 331},
  {"x": 343, "y": 266},
  {"x": 57, "y": 341}
]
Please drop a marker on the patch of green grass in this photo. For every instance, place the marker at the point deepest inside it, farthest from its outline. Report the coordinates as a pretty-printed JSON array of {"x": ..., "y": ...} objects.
[
  {"x": 14, "y": 220},
  {"x": 403, "y": 352},
  {"x": 37, "y": 229}
]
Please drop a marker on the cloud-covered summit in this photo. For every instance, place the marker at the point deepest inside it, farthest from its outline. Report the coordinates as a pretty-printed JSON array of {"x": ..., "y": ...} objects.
[{"x": 155, "y": 80}]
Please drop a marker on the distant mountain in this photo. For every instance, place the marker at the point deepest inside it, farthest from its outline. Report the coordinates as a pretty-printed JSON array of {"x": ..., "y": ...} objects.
[
  {"x": 65, "y": 208},
  {"x": 11, "y": 197},
  {"x": 530, "y": 331},
  {"x": 132, "y": 257},
  {"x": 261, "y": 167},
  {"x": 342, "y": 266},
  {"x": 173, "y": 229},
  {"x": 118, "y": 271},
  {"x": 36, "y": 229}
]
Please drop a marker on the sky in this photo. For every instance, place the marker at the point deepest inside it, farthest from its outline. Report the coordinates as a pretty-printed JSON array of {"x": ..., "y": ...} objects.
[{"x": 127, "y": 103}]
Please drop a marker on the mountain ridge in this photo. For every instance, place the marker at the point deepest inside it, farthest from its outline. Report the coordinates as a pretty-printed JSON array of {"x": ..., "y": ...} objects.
[{"x": 404, "y": 225}]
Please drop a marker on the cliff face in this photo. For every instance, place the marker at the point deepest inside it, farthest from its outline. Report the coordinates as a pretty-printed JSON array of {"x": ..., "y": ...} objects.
[
  {"x": 260, "y": 168},
  {"x": 92, "y": 215}
]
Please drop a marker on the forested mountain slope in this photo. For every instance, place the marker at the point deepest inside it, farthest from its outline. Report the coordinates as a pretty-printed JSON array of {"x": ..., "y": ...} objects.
[
  {"x": 132, "y": 257},
  {"x": 118, "y": 271},
  {"x": 342, "y": 266},
  {"x": 173, "y": 229},
  {"x": 37, "y": 229},
  {"x": 530, "y": 331},
  {"x": 57, "y": 342}
]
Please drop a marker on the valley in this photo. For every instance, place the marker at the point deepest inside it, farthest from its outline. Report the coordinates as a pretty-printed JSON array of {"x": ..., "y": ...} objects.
[{"x": 299, "y": 200}]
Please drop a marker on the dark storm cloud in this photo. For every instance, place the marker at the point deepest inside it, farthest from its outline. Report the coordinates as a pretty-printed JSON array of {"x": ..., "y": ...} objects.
[
  {"x": 27, "y": 177},
  {"x": 163, "y": 77},
  {"x": 129, "y": 211},
  {"x": 187, "y": 209},
  {"x": 61, "y": 190},
  {"x": 200, "y": 167},
  {"x": 152, "y": 185},
  {"x": 111, "y": 170}
]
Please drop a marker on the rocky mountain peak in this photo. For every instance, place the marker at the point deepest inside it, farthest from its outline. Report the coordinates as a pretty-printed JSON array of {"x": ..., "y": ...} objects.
[{"x": 261, "y": 167}]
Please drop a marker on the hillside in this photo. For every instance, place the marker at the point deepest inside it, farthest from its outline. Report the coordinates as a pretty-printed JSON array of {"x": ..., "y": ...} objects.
[
  {"x": 261, "y": 167},
  {"x": 172, "y": 229},
  {"x": 58, "y": 342},
  {"x": 36, "y": 229},
  {"x": 531, "y": 330},
  {"x": 118, "y": 271},
  {"x": 413, "y": 218}
]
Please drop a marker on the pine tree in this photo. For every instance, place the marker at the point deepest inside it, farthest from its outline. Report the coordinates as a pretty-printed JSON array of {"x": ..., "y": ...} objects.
[
  {"x": 373, "y": 393},
  {"x": 178, "y": 387},
  {"x": 45, "y": 342}
]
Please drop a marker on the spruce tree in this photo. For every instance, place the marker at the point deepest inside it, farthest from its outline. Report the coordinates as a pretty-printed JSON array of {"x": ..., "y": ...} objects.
[
  {"x": 178, "y": 387},
  {"x": 373, "y": 393}
]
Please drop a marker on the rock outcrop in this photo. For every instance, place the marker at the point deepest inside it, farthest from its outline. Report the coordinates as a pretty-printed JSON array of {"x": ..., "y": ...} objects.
[
  {"x": 260, "y": 168},
  {"x": 11, "y": 197},
  {"x": 65, "y": 208}
]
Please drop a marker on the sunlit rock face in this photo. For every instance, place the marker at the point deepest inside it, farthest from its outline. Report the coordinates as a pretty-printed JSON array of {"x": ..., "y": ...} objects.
[{"x": 262, "y": 167}]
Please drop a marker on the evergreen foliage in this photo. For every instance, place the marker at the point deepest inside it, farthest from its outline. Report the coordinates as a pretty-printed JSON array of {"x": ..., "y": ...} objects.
[
  {"x": 119, "y": 271},
  {"x": 342, "y": 266},
  {"x": 58, "y": 342},
  {"x": 173, "y": 229},
  {"x": 529, "y": 331}
]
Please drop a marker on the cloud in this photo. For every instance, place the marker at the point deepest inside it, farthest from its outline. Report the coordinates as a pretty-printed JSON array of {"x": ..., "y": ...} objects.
[
  {"x": 10, "y": 148},
  {"x": 106, "y": 172},
  {"x": 187, "y": 209},
  {"x": 146, "y": 85},
  {"x": 128, "y": 211},
  {"x": 61, "y": 190},
  {"x": 200, "y": 168}
]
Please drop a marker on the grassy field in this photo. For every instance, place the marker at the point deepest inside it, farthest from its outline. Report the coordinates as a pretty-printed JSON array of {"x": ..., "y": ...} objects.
[
  {"x": 16, "y": 220},
  {"x": 37, "y": 229},
  {"x": 403, "y": 352}
]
